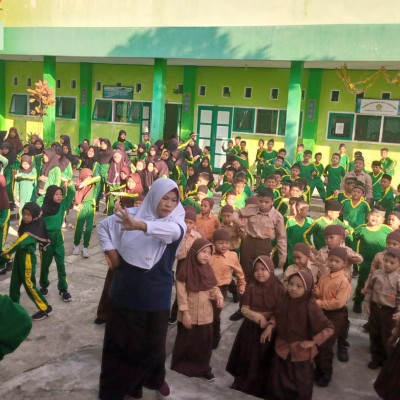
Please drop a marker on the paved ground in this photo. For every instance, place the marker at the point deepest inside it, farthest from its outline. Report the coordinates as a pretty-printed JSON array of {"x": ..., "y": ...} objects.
[{"x": 60, "y": 360}]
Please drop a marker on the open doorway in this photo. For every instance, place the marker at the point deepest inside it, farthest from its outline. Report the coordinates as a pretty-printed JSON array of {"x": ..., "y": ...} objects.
[{"x": 172, "y": 121}]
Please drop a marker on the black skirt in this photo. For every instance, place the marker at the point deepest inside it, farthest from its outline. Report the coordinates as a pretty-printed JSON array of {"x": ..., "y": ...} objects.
[
  {"x": 387, "y": 384},
  {"x": 250, "y": 360},
  {"x": 133, "y": 352},
  {"x": 192, "y": 350}
]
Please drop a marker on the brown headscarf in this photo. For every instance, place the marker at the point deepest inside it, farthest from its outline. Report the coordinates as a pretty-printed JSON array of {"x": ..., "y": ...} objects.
[
  {"x": 27, "y": 159},
  {"x": 4, "y": 201},
  {"x": 264, "y": 296},
  {"x": 197, "y": 277},
  {"x": 15, "y": 142},
  {"x": 138, "y": 180},
  {"x": 300, "y": 319},
  {"x": 83, "y": 193}
]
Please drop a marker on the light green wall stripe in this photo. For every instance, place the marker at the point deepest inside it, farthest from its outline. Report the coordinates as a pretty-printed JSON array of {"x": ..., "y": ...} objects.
[
  {"x": 310, "y": 42},
  {"x": 293, "y": 109},
  {"x": 85, "y": 111},
  {"x": 189, "y": 86},
  {"x": 49, "y": 120},
  {"x": 2, "y": 95},
  {"x": 158, "y": 107},
  {"x": 313, "y": 93}
]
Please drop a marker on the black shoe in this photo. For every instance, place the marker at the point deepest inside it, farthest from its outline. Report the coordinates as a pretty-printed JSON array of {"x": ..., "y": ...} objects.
[
  {"x": 342, "y": 354},
  {"x": 171, "y": 320},
  {"x": 236, "y": 316},
  {"x": 235, "y": 296},
  {"x": 9, "y": 265},
  {"x": 65, "y": 295},
  {"x": 374, "y": 364},
  {"x": 216, "y": 342},
  {"x": 99, "y": 321},
  {"x": 42, "y": 314},
  {"x": 357, "y": 307},
  {"x": 323, "y": 380},
  {"x": 209, "y": 376},
  {"x": 44, "y": 291},
  {"x": 366, "y": 326},
  {"x": 355, "y": 273}
]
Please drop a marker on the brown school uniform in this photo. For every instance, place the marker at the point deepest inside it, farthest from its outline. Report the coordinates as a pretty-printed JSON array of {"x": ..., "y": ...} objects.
[
  {"x": 364, "y": 178},
  {"x": 377, "y": 263},
  {"x": 235, "y": 234},
  {"x": 383, "y": 297},
  {"x": 291, "y": 269},
  {"x": 260, "y": 229},
  {"x": 206, "y": 225},
  {"x": 223, "y": 265},
  {"x": 333, "y": 292},
  {"x": 321, "y": 260}
]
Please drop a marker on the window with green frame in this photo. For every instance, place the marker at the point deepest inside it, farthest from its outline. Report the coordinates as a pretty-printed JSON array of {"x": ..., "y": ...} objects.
[
  {"x": 121, "y": 109},
  {"x": 340, "y": 126},
  {"x": 102, "y": 110},
  {"x": 66, "y": 107},
  {"x": 19, "y": 104},
  {"x": 243, "y": 120},
  {"x": 267, "y": 121},
  {"x": 282, "y": 123},
  {"x": 391, "y": 130},
  {"x": 368, "y": 128},
  {"x": 135, "y": 112},
  {"x": 146, "y": 117}
]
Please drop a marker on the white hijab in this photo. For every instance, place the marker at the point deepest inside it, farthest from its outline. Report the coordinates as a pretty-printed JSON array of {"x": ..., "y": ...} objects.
[{"x": 139, "y": 248}]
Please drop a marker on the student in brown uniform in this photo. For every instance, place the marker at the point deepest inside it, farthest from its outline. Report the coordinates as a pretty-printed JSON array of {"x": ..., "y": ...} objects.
[
  {"x": 196, "y": 286},
  {"x": 250, "y": 358},
  {"x": 224, "y": 262},
  {"x": 187, "y": 241},
  {"x": 382, "y": 305},
  {"x": 262, "y": 223},
  {"x": 333, "y": 292},
  {"x": 206, "y": 221},
  {"x": 301, "y": 326}
]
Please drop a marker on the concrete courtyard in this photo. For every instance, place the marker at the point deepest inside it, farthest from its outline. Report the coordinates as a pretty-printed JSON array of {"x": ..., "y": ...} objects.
[{"x": 60, "y": 360}]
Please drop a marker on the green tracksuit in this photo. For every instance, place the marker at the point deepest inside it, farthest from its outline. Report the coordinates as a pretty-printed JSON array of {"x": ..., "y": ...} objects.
[
  {"x": 67, "y": 174},
  {"x": 103, "y": 183},
  {"x": 388, "y": 166},
  {"x": 344, "y": 161},
  {"x": 317, "y": 228},
  {"x": 376, "y": 186},
  {"x": 56, "y": 247},
  {"x": 355, "y": 215},
  {"x": 8, "y": 174},
  {"x": 370, "y": 241},
  {"x": 54, "y": 178},
  {"x": 178, "y": 175},
  {"x": 317, "y": 181},
  {"x": 86, "y": 214},
  {"x": 335, "y": 176},
  {"x": 4, "y": 226},
  {"x": 15, "y": 325},
  {"x": 192, "y": 201},
  {"x": 127, "y": 144},
  {"x": 24, "y": 271},
  {"x": 25, "y": 188},
  {"x": 111, "y": 198},
  {"x": 295, "y": 234},
  {"x": 387, "y": 201}
]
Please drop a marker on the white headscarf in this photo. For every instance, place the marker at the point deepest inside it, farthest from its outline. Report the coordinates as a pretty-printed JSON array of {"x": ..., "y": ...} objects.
[{"x": 141, "y": 248}]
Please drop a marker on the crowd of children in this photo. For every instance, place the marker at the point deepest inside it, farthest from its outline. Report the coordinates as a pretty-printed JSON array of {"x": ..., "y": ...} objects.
[{"x": 290, "y": 327}]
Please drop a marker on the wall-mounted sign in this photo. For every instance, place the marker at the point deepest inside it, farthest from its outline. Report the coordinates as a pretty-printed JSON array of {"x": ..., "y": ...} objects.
[
  {"x": 186, "y": 102},
  {"x": 339, "y": 128},
  {"x": 118, "y": 92},
  {"x": 378, "y": 107},
  {"x": 311, "y": 109}
]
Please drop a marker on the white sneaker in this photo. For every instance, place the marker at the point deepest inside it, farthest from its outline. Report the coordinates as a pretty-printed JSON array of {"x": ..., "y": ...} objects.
[
  {"x": 85, "y": 252},
  {"x": 76, "y": 250}
]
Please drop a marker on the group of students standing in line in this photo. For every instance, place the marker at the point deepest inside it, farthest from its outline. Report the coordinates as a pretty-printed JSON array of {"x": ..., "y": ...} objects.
[{"x": 295, "y": 322}]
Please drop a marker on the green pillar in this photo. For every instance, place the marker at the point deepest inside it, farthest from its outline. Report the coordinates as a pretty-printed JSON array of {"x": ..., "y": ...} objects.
[
  {"x": 293, "y": 109},
  {"x": 312, "y": 110},
  {"x": 2, "y": 95},
  {"x": 158, "y": 106},
  {"x": 189, "y": 95},
  {"x": 49, "y": 120},
  {"x": 85, "y": 102}
]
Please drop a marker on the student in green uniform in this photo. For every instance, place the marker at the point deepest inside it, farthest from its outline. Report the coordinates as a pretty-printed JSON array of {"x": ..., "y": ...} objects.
[
  {"x": 31, "y": 231},
  {"x": 396, "y": 203},
  {"x": 50, "y": 174},
  {"x": 271, "y": 183},
  {"x": 195, "y": 200},
  {"x": 39, "y": 146},
  {"x": 294, "y": 174},
  {"x": 286, "y": 164},
  {"x": 179, "y": 172},
  {"x": 146, "y": 141},
  {"x": 370, "y": 239},
  {"x": 388, "y": 165},
  {"x": 297, "y": 190},
  {"x": 15, "y": 325},
  {"x": 12, "y": 163},
  {"x": 270, "y": 153},
  {"x": 226, "y": 183},
  {"x": 346, "y": 193},
  {"x": 334, "y": 174},
  {"x": 317, "y": 228},
  {"x": 65, "y": 166},
  {"x": 317, "y": 181},
  {"x": 260, "y": 162},
  {"x": 25, "y": 183},
  {"x": 122, "y": 139},
  {"x": 4, "y": 221},
  {"x": 344, "y": 158},
  {"x": 241, "y": 196},
  {"x": 236, "y": 147},
  {"x": 387, "y": 196},
  {"x": 54, "y": 206},
  {"x": 269, "y": 169},
  {"x": 357, "y": 154},
  {"x": 85, "y": 201},
  {"x": 308, "y": 170},
  {"x": 300, "y": 151},
  {"x": 355, "y": 210},
  {"x": 104, "y": 157},
  {"x": 230, "y": 149},
  {"x": 296, "y": 226},
  {"x": 141, "y": 152},
  {"x": 376, "y": 176}
]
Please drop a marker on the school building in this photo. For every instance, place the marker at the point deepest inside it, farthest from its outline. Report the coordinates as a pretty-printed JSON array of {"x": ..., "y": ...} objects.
[{"x": 258, "y": 69}]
